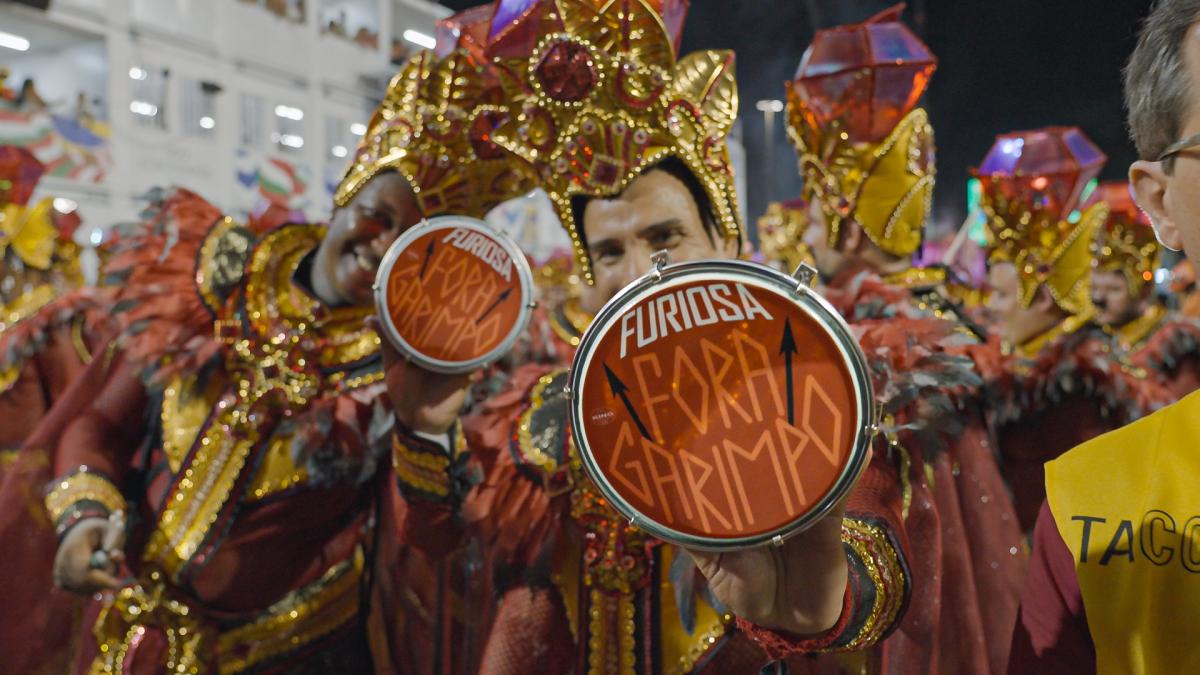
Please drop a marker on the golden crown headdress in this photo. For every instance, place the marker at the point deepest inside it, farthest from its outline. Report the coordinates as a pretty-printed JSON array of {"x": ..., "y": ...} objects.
[
  {"x": 435, "y": 127},
  {"x": 866, "y": 151},
  {"x": 599, "y": 98},
  {"x": 1126, "y": 243},
  {"x": 1032, "y": 182}
]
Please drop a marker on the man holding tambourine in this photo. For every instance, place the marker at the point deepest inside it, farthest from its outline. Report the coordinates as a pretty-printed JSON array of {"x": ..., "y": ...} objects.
[{"x": 717, "y": 460}]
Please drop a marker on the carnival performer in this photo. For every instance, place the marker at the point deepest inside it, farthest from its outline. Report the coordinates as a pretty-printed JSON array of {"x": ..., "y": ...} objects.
[
  {"x": 781, "y": 235},
  {"x": 867, "y": 158},
  {"x": 51, "y": 324},
  {"x": 1113, "y": 575},
  {"x": 1165, "y": 344},
  {"x": 258, "y": 491},
  {"x": 629, "y": 144},
  {"x": 44, "y": 339},
  {"x": 1057, "y": 383}
]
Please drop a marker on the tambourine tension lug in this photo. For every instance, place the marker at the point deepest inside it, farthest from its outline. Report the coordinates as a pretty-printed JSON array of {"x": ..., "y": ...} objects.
[
  {"x": 660, "y": 259},
  {"x": 804, "y": 275}
]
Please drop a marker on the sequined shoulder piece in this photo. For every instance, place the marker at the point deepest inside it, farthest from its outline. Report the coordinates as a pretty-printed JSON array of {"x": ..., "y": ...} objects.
[
  {"x": 221, "y": 263},
  {"x": 540, "y": 437}
]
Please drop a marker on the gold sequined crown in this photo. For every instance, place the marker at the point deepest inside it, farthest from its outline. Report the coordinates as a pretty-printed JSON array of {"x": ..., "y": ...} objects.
[
  {"x": 1126, "y": 243},
  {"x": 1032, "y": 182},
  {"x": 600, "y": 98},
  {"x": 866, "y": 152},
  {"x": 435, "y": 127}
]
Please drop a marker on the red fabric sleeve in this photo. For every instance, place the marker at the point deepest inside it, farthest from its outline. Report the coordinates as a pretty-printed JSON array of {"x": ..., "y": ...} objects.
[
  {"x": 1052, "y": 634},
  {"x": 482, "y": 489},
  {"x": 103, "y": 432}
]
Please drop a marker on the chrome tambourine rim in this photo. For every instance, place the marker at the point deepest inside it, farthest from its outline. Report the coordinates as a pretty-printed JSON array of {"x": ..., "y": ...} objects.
[
  {"x": 803, "y": 297},
  {"x": 520, "y": 263}
]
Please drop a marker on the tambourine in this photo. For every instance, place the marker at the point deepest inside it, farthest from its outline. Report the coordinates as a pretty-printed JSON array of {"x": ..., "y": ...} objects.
[
  {"x": 454, "y": 294},
  {"x": 721, "y": 405}
]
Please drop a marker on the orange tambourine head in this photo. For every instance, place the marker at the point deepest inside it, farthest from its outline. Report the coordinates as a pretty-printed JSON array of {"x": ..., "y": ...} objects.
[
  {"x": 453, "y": 294},
  {"x": 721, "y": 405}
]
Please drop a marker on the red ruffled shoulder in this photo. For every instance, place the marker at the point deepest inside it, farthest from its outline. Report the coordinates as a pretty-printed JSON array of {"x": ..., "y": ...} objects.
[
  {"x": 918, "y": 367},
  {"x": 1175, "y": 341},
  {"x": 91, "y": 306},
  {"x": 510, "y": 508},
  {"x": 1076, "y": 364},
  {"x": 166, "y": 326}
]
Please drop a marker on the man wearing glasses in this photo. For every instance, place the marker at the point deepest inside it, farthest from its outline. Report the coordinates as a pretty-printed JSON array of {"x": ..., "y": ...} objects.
[{"x": 1115, "y": 575}]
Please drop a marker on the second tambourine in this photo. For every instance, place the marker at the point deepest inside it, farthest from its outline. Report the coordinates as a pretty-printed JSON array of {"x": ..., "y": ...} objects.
[{"x": 454, "y": 294}]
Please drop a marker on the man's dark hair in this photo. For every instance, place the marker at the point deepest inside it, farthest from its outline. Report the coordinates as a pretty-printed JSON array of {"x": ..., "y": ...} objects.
[
  {"x": 679, "y": 170},
  {"x": 1157, "y": 85}
]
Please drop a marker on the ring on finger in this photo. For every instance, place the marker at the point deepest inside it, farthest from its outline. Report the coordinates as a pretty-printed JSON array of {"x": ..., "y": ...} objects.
[{"x": 99, "y": 560}]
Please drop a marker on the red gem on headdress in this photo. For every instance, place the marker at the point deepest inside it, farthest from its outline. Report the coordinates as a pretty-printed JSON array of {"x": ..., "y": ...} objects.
[
  {"x": 466, "y": 30},
  {"x": 482, "y": 128},
  {"x": 869, "y": 75},
  {"x": 20, "y": 172},
  {"x": 566, "y": 71},
  {"x": 605, "y": 171},
  {"x": 518, "y": 25},
  {"x": 1045, "y": 170}
]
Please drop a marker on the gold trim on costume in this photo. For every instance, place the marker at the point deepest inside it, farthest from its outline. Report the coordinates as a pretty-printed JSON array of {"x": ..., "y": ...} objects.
[
  {"x": 222, "y": 261},
  {"x": 882, "y": 563},
  {"x": 533, "y": 449},
  {"x": 299, "y": 618},
  {"x": 26, "y": 305},
  {"x": 1033, "y": 346},
  {"x": 781, "y": 236},
  {"x": 1131, "y": 336},
  {"x": 78, "y": 324},
  {"x": 81, "y": 486},
  {"x": 917, "y": 277},
  {"x": 198, "y": 497},
  {"x": 424, "y": 471},
  {"x": 8, "y": 377},
  {"x": 294, "y": 621}
]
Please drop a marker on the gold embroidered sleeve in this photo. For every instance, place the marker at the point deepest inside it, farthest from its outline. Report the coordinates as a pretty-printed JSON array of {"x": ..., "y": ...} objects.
[
  {"x": 427, "y": 471},
  {"x": 82, "y": 494},
  {"x": 879, "y": 583}
]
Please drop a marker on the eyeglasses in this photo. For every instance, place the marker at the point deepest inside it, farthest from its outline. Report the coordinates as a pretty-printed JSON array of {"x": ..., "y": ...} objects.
[{"x": 1179, "y": 146}]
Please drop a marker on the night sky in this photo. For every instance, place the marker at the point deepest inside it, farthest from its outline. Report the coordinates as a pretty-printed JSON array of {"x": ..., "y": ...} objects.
[{"x": 1004, "y": 65}]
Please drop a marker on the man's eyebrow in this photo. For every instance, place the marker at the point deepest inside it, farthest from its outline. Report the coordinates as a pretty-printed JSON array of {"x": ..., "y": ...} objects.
[
  {"x": 670, "y": 222},
  {"x": 601, "y": 243}
]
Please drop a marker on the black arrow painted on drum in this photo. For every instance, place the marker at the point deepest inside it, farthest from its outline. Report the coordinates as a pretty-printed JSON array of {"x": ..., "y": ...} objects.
[
  {"x": 788, "y": 348},
  {"x": 619, "y": 389},
  {"x": 503, "y": 296},
  {"x": 425, "y": 262}
]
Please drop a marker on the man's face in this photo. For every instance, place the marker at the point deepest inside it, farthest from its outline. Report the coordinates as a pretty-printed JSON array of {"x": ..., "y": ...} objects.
[
  {"x": 1173, "y": 200},
  {"x": 656, "y": 212},
  {"x": 1115, "y": 305},
  {"x": 1005, "y": 290},
  {"x": 360, "y": 233},
  {"x": 1018, "y": 323}
]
